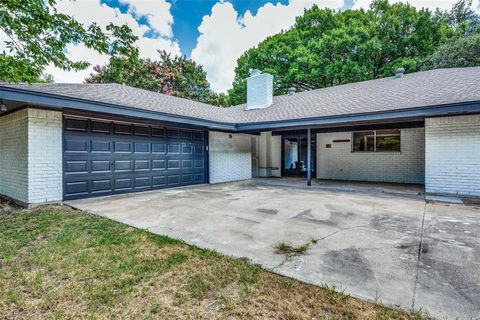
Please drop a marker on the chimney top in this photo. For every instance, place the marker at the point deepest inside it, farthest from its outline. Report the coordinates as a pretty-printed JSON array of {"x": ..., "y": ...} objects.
[
  {"x": 291, "y": 90},
  {"x": 399, "y": 72},
  {"x": 254, "y": 72},
  {"x": 259, "y": 90}
]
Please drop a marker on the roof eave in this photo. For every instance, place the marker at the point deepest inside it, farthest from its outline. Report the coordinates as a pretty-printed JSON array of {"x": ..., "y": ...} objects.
[
  {"x": 371, "y": 117},
  {"x": 66, "y": 103}
]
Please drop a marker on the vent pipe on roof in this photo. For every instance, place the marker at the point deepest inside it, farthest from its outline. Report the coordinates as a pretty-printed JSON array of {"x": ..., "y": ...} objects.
[
  {"x": 399, "y": 72},
  {"x": 259, "y": 90}
]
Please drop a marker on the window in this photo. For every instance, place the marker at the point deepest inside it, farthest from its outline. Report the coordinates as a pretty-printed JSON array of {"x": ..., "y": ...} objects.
[{"x": 376, "y": 141}]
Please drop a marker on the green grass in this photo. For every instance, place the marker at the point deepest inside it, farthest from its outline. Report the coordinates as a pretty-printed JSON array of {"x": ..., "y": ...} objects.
[
  {"x": 290, "y": 250},
  {"x": 56, "y": 262}
]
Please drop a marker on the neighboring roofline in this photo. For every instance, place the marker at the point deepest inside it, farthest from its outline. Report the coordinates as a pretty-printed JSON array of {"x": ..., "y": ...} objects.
[{"x": 61, "y": 102}]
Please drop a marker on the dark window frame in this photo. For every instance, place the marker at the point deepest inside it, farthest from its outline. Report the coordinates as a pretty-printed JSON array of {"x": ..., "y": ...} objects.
[{"x": 375, "y": 141}]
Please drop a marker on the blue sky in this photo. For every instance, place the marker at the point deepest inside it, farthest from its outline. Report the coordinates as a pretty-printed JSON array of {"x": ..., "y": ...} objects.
[
  {"x": 213, "y": 33},
  {"x": 188, "y": 15}
]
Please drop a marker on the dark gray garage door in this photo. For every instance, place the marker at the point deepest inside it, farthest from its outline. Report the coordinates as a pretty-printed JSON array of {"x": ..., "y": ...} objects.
[{"x": 103, "y": 157}]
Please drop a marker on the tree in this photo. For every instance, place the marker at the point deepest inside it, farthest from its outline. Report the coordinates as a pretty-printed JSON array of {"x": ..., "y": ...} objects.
[
  {"x": 462, "y": 52},
  {"x": 326, "y": 48},
  {"x": 38, "y": 36},
  {"x": 462, "y": 18},
  {"x": 172, "y": 75}
]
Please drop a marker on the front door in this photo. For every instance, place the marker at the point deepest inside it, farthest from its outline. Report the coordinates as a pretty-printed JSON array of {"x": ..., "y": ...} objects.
[{"x": 295, "y": 155}]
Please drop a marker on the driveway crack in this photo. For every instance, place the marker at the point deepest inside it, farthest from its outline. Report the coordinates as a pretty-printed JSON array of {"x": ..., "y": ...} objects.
[
  {"x": 315, "y": 241},
  {"x": 419, "y": 256},
  {"x": 338, "y": 231}
]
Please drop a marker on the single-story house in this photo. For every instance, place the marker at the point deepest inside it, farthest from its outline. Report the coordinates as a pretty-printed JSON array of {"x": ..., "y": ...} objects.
[{"x": 67, "y": 141}]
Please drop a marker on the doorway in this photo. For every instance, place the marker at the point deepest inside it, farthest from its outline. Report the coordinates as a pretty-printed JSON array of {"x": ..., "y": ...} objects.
[{"x": 294, "y": 155}]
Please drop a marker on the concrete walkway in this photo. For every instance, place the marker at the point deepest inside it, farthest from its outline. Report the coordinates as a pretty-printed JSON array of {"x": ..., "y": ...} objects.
[{"x": 382, "y": 243}]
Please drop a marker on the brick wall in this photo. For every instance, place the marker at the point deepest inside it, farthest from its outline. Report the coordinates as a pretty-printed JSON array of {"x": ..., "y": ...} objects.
[
  {"x": 338, "y": 162},
  {"x": 14, "y": 155},
  {"x": 44, "y": 156},
  {"x": 230, "y": 159},
  {"x": 31, "y": 156},
  {"x": 453, "y": 155}
]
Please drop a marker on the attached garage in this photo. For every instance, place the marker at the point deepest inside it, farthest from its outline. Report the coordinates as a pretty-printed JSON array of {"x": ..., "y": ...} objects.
[{"x": 102, "y": 157}]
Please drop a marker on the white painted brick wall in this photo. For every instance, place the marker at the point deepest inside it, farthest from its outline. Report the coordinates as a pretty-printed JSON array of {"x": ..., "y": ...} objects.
[
  {"x": 44, "y": 156},
  {"x": 270, "y": 155},
  {"x": 14, "y": 155},
  {"x": 338, "y": 162},
  {"x": 453, "y": 155},
  {"x": 31, "y": 156},
  {"x": 230, "y": 159}
]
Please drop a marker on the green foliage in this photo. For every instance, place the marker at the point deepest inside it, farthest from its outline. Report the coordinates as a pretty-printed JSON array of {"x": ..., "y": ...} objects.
[
  {"x": 39, "y": 35},
  {"x": 462, "y": 52},
  {"x": 326, "y": 48},
  {"x": 170, "y": 75}
]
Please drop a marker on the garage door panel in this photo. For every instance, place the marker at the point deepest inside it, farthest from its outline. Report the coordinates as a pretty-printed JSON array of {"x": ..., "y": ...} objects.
[
  {"x": 101, "y": 127},
  {"x": 173, "y": 180},
  {"x": 142, "y": 147},
  {"x": 76, "y": 145},
  {"x": 158, "y": 132},
  {"x": 123, "y": 184},
  {"x": 140, "y": 131},
  {"x": 120, "y": 128},
  {"x": 103, "y": 157},
  {"x": 173, "y": 133},
  {"x": 187, "y": 149},
  {"x": 76, "y": 166},
  {"x": 142, "y": 183},
  {"x": 100, "y": 166},
  {"x": 159, "y": 148},
  {"x": 159, "y": 181},
  {"x": 199, "y": 177},
  {"x": 122, "y": 147},
  {"x": 101, "y": 186},
  {"x": 187, "y": 164},
  {"x": 173, "y": 148},
  {"x": 159, "y": 164},
  {"x": 77, "y": 187},
  {"x": 142, "y": 165},
  {"x": 101, "y": 146},
  {"x": 76, "y": 125},
  {"x": 173, "y": 164}
]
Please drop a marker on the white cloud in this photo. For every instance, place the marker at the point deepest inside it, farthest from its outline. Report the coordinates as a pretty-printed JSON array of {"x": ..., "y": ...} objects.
[
  {"x": 156, "y": 12},
  {"x": 225, "y": 35},
  {"x": 429, "y": 4},
  {"x": 90, "y": 11}
]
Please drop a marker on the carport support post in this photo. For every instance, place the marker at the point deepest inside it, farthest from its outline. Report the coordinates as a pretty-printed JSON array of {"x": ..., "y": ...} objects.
[{"x": 309, "y": 157}]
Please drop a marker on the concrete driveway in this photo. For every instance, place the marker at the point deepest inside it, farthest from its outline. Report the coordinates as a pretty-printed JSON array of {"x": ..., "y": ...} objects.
[{"x": 382, "y": 244}]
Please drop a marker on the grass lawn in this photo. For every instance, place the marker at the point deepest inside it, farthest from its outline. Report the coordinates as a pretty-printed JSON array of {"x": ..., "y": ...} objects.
[{"x": 56, "y": 262}]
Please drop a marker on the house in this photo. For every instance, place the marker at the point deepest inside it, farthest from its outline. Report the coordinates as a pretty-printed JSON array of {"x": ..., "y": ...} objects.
[{"x": 69, "y": 141}]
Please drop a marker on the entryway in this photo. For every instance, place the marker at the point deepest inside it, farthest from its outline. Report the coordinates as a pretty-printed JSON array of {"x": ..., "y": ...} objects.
[{"x": 295, "y": 155}]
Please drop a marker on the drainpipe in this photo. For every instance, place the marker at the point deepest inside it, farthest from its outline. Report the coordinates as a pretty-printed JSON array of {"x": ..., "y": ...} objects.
[{"x": 309, "y": 157}]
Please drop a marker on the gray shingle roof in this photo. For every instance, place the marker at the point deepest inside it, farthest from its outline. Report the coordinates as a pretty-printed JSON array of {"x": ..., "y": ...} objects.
[{"x": 421, "y": 89}]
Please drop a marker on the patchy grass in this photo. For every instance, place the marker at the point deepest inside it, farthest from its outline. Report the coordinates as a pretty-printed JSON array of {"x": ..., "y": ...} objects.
[
  {"x": 290, "y": 250},
  {"x": 56, "y": 262}
]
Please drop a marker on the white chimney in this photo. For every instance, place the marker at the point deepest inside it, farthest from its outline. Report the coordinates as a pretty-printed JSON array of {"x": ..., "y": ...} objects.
[{"x": 259, "y": 90}]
